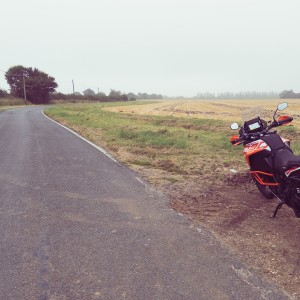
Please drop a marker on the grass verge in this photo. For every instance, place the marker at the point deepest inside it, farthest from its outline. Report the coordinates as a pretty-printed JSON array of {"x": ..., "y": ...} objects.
[{"x": 179, "y": 146}]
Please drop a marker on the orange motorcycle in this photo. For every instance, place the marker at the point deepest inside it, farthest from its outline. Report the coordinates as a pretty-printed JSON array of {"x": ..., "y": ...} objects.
[{"x": 273, "y": 166}]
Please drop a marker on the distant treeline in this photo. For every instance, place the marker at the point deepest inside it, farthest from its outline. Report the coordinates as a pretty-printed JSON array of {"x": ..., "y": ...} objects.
[
  {"x": 240, "y": 95},
  {"x": 114, "y": 95},
  {"x": 289, "y": 94},
  {"x": 141, "y": 96},
  {"x": 91, "y": 96}
]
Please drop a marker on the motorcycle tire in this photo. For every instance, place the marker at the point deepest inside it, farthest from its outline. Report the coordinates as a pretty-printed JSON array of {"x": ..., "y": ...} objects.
[
  {"x": 294, "y": 203},
  {"x": 264, "y": 189}
]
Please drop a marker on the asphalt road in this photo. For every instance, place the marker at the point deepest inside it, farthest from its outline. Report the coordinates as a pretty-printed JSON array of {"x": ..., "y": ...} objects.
[{"x": 77, "y": 225}]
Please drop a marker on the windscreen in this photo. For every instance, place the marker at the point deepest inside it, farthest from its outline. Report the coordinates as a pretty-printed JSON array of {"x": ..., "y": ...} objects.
[{"x": 252, "y": 113}]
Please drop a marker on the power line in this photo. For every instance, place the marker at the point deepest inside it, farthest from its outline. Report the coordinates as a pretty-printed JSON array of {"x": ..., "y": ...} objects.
[{"x": 94, "y": 87}]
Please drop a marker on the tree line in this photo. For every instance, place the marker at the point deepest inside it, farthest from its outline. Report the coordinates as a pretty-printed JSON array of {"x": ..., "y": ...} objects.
[
  {"x": 40, "y": 88},
  {"x": 89, "y": 94},
  {"x": 240, "y": 95},
  {"x": 141, "y": 96},
  {"x": 289, "y": 94}
]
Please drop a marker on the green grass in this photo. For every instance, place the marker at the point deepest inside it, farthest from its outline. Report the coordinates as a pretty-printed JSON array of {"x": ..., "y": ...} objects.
[
  {"x": 141, "y": 163},
  {"x": 172, "y": 180},
  {"x": 154, "y": 139},
  {"x": 185, "y": 146}
]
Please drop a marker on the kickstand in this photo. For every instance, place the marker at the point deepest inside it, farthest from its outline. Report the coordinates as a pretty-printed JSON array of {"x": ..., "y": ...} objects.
[{"x": 277, "y": 208}]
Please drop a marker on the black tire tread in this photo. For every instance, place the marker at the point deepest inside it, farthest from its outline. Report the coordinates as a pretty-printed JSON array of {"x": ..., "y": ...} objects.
[{"x": 264, "y": 189}]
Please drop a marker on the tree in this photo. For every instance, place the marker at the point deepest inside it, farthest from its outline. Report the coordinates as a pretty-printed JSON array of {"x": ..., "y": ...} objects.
[
  {"x": 117, "y": 95},
  {"x": 88, "y": 92},
  {"x": 131, "y": 95},
  {"x": 289, "y": 94},
  {"x": 114, "y": 93},
  {"x": 37, "y": 83}
]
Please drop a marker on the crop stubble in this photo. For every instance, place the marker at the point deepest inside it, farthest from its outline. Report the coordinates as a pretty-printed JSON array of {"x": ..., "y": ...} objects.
[{"x": 211, "y": 109}]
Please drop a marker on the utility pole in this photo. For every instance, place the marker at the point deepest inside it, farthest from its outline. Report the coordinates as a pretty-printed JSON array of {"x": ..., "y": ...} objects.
[
  {"x": 98, "y": 90},
  {"x": 24, "y": 89},
  {"x": 73, "y": 90}
]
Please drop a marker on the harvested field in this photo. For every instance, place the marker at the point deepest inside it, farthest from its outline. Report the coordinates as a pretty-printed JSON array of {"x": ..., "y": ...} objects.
[{"x": 211, "y": 109}]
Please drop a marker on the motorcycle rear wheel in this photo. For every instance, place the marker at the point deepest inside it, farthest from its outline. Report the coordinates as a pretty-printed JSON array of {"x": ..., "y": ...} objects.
[{"x": 264, "y": 189}]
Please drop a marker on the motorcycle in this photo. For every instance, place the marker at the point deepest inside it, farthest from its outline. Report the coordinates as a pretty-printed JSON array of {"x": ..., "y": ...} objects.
[{"x": 273, "y": 166}]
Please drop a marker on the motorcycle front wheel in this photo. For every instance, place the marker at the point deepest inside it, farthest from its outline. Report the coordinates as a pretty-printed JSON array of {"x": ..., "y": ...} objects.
[{"x": 264, "y": 189}]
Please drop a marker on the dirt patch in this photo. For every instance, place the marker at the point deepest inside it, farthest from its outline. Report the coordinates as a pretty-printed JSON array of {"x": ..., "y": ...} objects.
[{"x": 240, "y": 216}]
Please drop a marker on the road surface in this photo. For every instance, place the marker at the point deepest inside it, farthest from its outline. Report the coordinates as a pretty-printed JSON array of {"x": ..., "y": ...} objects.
[{"x": 77, "y": 225}]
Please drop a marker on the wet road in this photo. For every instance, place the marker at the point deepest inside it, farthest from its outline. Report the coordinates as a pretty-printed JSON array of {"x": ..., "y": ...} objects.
[{"x": 77, "y": 225}]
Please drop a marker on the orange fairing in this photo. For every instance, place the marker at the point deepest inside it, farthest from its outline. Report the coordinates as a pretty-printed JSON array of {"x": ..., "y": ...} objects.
[
  {"x": 286, "y": 141},
  {"x": 233, "y": 138},
  {"x": 253, "y": 148},
  {"x": 282, "y": 119},
  {"x": 261, "y": 180}
]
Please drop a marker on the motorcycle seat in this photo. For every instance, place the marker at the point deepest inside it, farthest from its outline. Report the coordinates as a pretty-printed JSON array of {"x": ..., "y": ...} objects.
[
  {"x": 285, "y": 160},
  {"x": 293, "y": 162}
]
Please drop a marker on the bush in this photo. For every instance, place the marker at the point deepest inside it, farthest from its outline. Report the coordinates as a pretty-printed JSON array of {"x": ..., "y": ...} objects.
[{"x": 3, "y": 94}]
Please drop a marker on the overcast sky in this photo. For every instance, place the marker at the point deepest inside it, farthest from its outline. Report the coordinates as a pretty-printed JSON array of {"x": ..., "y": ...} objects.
[{"x": 167, "y": 47}]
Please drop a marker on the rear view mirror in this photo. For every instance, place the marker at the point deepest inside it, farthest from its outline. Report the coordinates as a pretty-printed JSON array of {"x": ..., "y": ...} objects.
[
  {"x": 282, "y": 106},
  {"x": 234, "y": 126}
]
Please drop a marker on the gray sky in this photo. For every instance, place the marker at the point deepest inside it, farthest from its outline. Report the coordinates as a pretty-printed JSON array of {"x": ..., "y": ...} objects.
[{"x": 166, "y": 47}]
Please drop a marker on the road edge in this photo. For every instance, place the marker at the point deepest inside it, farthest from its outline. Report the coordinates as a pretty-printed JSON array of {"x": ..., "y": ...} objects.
[{"x": 78, "y": 135}]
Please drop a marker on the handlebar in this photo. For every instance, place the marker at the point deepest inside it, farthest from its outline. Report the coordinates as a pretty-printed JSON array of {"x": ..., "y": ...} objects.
[
  {"x": 288, "y": 120},
  {"x": 280, "y": 123},
  {"x": 240, "y": 139},
  {"x": 245, "y": 137}
]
